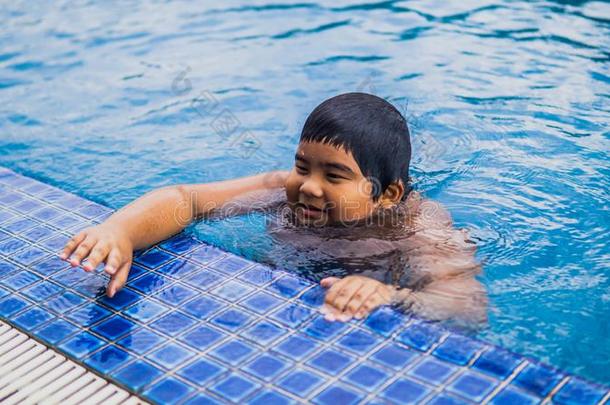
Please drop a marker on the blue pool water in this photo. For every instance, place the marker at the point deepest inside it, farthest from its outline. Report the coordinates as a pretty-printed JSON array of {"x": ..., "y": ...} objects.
[{"x": 507, "y": 102}]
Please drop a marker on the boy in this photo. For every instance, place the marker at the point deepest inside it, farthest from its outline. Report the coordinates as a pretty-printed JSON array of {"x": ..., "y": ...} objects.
[{"x": 351, "y": 168}]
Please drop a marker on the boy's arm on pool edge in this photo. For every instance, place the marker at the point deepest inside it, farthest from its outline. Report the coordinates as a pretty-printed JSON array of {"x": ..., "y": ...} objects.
[{"x": 154, "y": 217}]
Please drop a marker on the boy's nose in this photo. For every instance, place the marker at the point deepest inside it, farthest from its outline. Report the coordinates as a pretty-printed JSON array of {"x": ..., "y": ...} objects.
[{"x": 311, "y": 188}]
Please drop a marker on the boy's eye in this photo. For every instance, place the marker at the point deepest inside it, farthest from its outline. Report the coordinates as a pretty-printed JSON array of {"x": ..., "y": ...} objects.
[
  {"x": 334, "y": 176},
  {"x": 301, "y": 168}
]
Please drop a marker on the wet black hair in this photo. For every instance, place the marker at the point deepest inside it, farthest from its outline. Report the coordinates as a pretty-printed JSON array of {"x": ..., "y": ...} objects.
[{"x": 372, "y": 130}]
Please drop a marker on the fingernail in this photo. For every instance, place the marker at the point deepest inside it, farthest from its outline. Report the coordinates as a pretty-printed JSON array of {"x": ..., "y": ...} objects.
[
  {"x": 62, "y": 255},
  {"x": 330, "y": 317},
  {"x": 110, "y": 270}
]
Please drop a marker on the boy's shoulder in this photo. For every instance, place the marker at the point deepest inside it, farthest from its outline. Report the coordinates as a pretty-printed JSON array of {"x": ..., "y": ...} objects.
[{"x": 427, "y": 213}]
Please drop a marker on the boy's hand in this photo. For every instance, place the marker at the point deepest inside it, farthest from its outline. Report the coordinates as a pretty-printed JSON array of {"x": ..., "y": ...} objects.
[
  {"x": 102, "y": 243},
  {"x": 354, "y": 297}
]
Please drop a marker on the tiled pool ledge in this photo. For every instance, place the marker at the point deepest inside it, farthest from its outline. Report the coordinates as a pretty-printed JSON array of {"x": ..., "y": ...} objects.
[{"x": 199, "y": 325}]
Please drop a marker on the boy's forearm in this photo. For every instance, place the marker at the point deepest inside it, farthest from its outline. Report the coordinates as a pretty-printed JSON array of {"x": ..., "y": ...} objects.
[{"x": 153, "y": 217}]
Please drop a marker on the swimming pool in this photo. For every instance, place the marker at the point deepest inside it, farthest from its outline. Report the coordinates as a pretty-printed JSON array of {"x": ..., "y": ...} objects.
[{"x": 508, "y": 105}]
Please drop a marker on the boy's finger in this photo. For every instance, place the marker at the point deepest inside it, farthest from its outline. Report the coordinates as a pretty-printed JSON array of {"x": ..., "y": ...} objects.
[
  {"x": 118, "y": 279},
  {"x": 373, "y": 302},
  {"x": 360, "y": 298},
  {"x": 329, "y": 281},
  {"x": 334, "y": 290},
  {"x": 82, "y": 251},
  {"x": 347, "y": 293},
  {"x": 97, "y": 255},
  {"x": 72, "y": 244},
  {"x": 114, "y": 261}
]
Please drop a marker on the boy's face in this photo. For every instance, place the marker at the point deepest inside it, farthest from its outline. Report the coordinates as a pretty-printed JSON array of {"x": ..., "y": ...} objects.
[{"x": 328, "y": 181}]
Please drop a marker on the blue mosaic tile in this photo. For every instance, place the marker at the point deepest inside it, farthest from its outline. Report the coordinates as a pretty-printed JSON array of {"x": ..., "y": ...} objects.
[
  {"x": 538, "y": 378},
  {"x": 168, "y": 391},
  {"x": 296, "y": 347},
  {"x": 69, "y": 277},
  {"x": 497, "y": 362},
  {"x": 55, "y": 243},
  {"x": 204, "y": 254},
  {"x": 472, "y": 386},
  {"x": 288, "y": 286},
  {"x": 358, "y": 341},
  {"x": 114, "y": 327},
  {"x": 233, "y": 352},
  {"x": 46, "y": 213},
  {"x": 420, "y": 335},
  {"x": 175, "y": 294},
  {"x": 121, "y": 299},
  {"x": 146, "y": 310},
  {"x": 108, "y": 359},
  {"x": 261, "y": 302},
  {"x": 202, "y": 307},
  {"x": 20, "y": 280},
  {"x": 81, "y": 344},
  {"x": 170, "y": 355},
  {"x": 201, "y": 337},
  {"x": 292, "y": 315},
  {"x": 257, "y": 275},
  {"x": 137, "y": 375},
  {"x": 577, "y": 391},
  {"x": 180, "y": 244},
  {"x": 264, "y": 332},
  {"x": 12, "y": 245},
  {"x": 38, "y": 233},
  {"x": 32, "y": 318},
  {"x": 56, "y": 331},
  {"x": 405, "y": 390},
  {"x": 11, "y": 305},
  {"x": 204, "y": 279},
  {"x": 330, "y": 361},
  {"x": 178, "y": 268},
  {"x": 49, "y": 266},
  {"x": 337, "y": 395},
  {"x": 322, "y": 329},
  {"x": 149, "y": 283},
  {"x": 201, "y": 371},
  {"x": 154, "y": 258},
  {"x": 232, "y": 290},
  {"x": 457, "y": 349},
  {"x": 367, "y": 377},
  {"x": 313, "y": 297},
  {"x": 300, "y": 382},
  {"x": 394, "y": 356},
  {"x": 445, "y": 399},
  {"x": 270, "y": 397},
  {"x": 432, "y": 371},
  {"x": 231, "y": 265},
  {"x": 63, "y": 302},
  {"x": 141, "y": 341},
  {"x": 88, "y": 314},
  {"x": 20, "y": 225},
  {"x": 513, "y": 396},
  {"x": 385, "y": 321},
  {"x": 29, "y": 255},
  {"x": 202, "y": 399},
  {"x": 231, "y": 320},
  {"x": 234, "y": 387},
  {"x": 266, "y": 367},
  {"x": 173, "y": 323}
]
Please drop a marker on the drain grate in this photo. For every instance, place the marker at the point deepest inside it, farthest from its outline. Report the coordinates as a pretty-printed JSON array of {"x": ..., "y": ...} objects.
[{"x": 31, "y": 373}]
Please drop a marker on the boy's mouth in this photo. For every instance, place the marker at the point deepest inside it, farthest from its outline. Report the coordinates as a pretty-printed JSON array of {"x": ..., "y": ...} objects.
[{"x": 310, "y": 211}]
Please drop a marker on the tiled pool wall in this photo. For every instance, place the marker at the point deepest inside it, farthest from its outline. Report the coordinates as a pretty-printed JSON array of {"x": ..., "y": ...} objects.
[{"x": 196, "y": 324}]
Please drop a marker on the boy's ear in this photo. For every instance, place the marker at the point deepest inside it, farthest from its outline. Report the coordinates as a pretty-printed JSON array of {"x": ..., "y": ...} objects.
[{"x": 393, "y": 194}]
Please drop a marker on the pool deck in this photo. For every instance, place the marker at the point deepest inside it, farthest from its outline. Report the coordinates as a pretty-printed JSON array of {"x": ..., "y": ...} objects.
[{"x": 196, "y": 324}]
